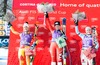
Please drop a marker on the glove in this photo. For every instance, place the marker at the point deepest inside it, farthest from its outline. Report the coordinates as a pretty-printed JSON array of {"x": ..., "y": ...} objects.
[
  {"x": 46, "y": 14},
  {"x": 76, "y": 22},
  {"x": 9, "y": 24}
]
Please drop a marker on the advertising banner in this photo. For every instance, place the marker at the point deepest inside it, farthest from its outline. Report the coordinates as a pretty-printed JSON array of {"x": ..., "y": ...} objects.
[{"x": 26, "y": 10}]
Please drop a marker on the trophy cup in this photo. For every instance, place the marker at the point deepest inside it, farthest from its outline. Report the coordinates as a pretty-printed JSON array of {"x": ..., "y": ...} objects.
[
  {"x": 9, "y": 16},
  {"x": 45, "y": 7},
  {"x": 78, "y": 16}
]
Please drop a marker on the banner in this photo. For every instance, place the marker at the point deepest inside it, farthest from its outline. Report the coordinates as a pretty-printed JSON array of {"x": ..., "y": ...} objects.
[
  {"x": 25, "y": 10},
  {"x": 31, "y": 4}
]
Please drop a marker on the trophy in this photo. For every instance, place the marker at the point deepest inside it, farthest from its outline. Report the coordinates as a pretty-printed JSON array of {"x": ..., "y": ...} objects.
[
  {"x": 45, "y": 7},
  {"x": 78, "y": 16},
  {"x": 9, "y": 16}
]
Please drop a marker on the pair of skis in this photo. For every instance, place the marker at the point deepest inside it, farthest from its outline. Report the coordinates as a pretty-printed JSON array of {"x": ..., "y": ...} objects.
[
  {"x": 35, "y": 38},
  {"x": 65, "y": 48},
  {"x": 94, "y": 34},
  {"x": 34, "y": 43}
]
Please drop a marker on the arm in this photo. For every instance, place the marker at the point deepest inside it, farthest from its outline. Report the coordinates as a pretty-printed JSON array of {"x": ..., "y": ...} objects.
[
  {"x": 77, "y": 30},
  {"x": 96, "y": 45},
  {"x": 15, "y": 32},
  {"x": 12, "y": 29},
  {"x": 48, "y": 24}
]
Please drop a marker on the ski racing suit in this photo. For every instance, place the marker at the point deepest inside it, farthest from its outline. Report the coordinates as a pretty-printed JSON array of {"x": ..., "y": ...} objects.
[
  {"x": 25, "y": 40},
  {"x": 55, "y": 49},
  {"x": 86, "y": 51}
]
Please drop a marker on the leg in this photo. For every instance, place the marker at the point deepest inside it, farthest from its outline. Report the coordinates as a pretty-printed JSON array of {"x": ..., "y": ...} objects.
[
  {"x": 90, "y": 61},
  {"x": 28, "y": 60},
  {"x": 59, "y": 55},
  {"x": 53, "y": 52},
  {"x": 27, "y": 56},
  {"x": 83, "y": 59},
  {"x": 21, "y": 56}
]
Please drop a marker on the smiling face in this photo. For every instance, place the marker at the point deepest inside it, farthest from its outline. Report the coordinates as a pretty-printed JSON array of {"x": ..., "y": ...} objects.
[
  {"x": 88, "y": 30},
  {"x": 57, "y": 27},
  {"x": 25, "y": 29}
]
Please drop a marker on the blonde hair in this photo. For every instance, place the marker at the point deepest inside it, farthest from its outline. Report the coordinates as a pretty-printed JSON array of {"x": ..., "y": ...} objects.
[{"x": 25, "y": 24}]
